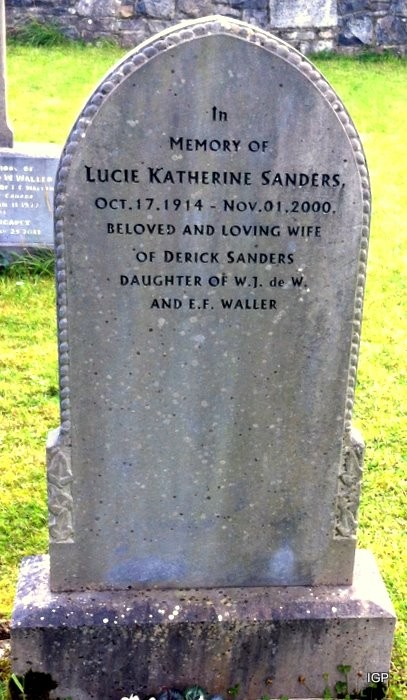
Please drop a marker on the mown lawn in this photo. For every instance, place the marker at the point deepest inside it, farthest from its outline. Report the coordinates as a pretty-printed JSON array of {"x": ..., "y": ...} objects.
[{"x": 46, "y": 90}]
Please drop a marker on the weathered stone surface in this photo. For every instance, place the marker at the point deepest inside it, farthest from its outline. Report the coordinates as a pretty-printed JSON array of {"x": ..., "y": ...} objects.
[
  {"x": 346, "y": 7},
  {"x": 206, "y": 321},
  {"x": 195, "y": 9},
  {"x": 226, "y": 10},
  {"x": 256, "y": 17},
  {"x": 160, "y": 9},
  {"x": 327, "y": 34},
  {"x": 300, "y": 13},
  {"x": 98, "y": 8},
  {"x": 133, "y": 37},
  {"x": 293, "y": 15},
  {"x": 392, "y": 31},
  {"x": 317, "y": 45},
  {"x": 264, "y": 639},
  {"x": 400, "y": 7},
  {"x": 138, "y": 30},
  {"x": 357, "y": 30},
  {"x": 126, "y": 11},
  {"x": 27, "y": 175},
  {"x": 6, "y": 135}
]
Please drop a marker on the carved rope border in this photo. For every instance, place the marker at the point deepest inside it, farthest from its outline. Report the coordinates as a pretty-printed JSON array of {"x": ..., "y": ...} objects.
[{"x": 165, "y": 41}]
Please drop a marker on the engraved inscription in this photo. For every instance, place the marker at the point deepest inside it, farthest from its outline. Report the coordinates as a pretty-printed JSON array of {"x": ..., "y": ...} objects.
[
  {"x": 298, "y": 206},
  {"x": 26, "y": 193}
]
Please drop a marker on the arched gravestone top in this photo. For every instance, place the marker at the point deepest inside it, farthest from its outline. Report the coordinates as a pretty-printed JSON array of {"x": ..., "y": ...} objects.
[{"x": 211, "y": 222}]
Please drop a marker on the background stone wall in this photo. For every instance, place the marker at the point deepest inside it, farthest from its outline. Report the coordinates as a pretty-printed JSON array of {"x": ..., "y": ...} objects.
[{"x": 345, "y": 25}]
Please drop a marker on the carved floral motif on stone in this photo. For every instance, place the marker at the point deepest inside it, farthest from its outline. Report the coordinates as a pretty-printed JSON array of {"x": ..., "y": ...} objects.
[
  {"x": 60, "y": 500},
  {"x": 349, "y": 481}
]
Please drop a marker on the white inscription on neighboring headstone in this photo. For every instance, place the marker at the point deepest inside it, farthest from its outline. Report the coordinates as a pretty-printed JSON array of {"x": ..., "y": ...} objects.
[{"x": 26, "y": 200}]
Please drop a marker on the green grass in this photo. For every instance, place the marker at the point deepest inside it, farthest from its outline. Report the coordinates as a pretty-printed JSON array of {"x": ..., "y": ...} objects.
[
  {"x": 47, "y": 88},
  {"x": 375, "y": 93},
  {"x": 28, "y": 408}
]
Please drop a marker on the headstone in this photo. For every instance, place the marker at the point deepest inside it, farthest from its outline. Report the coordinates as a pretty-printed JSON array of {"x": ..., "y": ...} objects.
[
  {"x": 27, "y": 175},
  {"x": 211, "y": 223},
  {"x": 208, "y": 242},
  {"x": 6, "y": 135}
]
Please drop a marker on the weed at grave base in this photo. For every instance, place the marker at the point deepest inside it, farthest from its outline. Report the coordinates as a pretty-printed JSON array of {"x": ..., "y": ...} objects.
[
  {"x": 32, "y": 686},
  {"x": 38, "y": 263}
]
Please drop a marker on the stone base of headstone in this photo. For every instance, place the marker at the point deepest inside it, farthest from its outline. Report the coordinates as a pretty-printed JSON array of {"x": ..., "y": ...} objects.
[
  {"x": 27, "y": 175},
  {"x": 270, "y": 641}
]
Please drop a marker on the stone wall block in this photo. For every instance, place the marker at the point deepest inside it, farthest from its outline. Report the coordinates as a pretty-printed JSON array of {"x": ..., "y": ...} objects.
[
  {"x": 318, "y": 46},
  {"x": 28, "y": 4},
  {"x": 301, "y": 35},
  {"x": 359, "y": 30},
  {"x": 98, "y": 8},
  {"x": 158, "y": 9},
  {"x": 102, "y": 28},
  {"x": 196, "y": 9},
  {"x": 300, "y": 13},
  {"x": 157, "y": 25},
  {"x": 327, "y": 34},
  {"x": 391, "y": 31},
  {"x": 133, "y": 31},
  {"x": 380, "y": 8},
  {"x": 354, "y": 23},
  {"x": 400, "y": 7},
  {"x": 350, "y": 7},
  {"x": 130, "y": 39},
  {"x": 126, "y": 11},
  {"x": 227, "y": 11},
  {"x": 247, "y": 4},
  {"x": 381, "y": 4},
  {"x": 256, "y": 17}
]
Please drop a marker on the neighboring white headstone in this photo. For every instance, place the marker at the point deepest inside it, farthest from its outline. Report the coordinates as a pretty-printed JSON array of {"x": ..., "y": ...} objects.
[{"x": 27, "y": 175}]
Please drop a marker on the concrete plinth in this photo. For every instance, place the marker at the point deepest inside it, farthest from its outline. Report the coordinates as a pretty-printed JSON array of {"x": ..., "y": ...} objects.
[{"x": 108, "y": 644}]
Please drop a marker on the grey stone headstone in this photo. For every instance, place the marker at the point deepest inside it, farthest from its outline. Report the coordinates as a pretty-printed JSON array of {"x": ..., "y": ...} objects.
[
  {"x": 211, "y": 222},
  {"x": 27, "y": 177}
]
